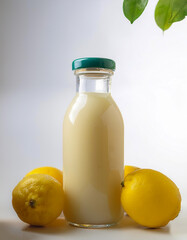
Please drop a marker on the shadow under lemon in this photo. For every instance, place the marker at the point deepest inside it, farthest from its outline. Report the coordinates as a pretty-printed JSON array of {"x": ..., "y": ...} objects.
[
  {"x": 128, "y": 223},
  {"x": 59, "y": 226}
]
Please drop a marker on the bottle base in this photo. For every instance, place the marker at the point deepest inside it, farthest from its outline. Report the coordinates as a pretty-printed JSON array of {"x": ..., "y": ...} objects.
[{"x": 97, "y": 226}]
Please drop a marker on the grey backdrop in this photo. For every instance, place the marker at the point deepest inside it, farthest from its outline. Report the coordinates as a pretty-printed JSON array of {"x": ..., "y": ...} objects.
[{"x": 38, "y": 41}]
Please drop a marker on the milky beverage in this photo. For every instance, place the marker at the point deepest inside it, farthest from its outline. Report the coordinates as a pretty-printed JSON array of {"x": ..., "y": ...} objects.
[{"x": 93, "y": 167}]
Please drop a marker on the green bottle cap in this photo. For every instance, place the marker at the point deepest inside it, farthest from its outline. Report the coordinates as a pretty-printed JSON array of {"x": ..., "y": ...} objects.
[{"x": 93, "y": 62}]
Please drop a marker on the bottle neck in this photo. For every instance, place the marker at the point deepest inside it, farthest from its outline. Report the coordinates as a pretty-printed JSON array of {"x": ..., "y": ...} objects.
[{"x": 93, "y": 80}]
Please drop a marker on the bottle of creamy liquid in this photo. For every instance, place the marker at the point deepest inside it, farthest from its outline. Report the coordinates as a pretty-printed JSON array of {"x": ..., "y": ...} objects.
[{"x": 93, "y": 148}]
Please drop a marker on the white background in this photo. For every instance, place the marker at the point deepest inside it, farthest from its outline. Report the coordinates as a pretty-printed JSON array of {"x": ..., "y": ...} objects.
[{"x": 38, "y": 41}]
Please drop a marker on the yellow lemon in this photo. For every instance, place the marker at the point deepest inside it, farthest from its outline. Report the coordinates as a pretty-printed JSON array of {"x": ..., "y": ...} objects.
[
  {"x": 52, "y": 171},
  {"x": 38, "y": 199},
  {"x": 128, "y": 169},
  {"x": 150, "y": 198}
]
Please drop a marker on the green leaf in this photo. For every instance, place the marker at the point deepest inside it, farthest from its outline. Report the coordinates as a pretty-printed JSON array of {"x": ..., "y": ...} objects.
[
  {"x": 169, "y": 11},
  {"x": 179, "y": 10},
  {"x": 132, "y": 9}
]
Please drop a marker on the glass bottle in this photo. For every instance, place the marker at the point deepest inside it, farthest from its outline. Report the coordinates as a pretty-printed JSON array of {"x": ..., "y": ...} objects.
[{"x": 93, "y": 148}]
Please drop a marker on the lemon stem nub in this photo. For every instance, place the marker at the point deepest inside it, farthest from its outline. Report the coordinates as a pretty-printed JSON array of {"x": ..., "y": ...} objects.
[
  {"x": 122, "y": 184},
  {"x": 32, "y": 203}
]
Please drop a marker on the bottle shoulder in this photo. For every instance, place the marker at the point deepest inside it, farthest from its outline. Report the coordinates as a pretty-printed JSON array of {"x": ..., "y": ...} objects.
[{"x": 86, "y": 106}]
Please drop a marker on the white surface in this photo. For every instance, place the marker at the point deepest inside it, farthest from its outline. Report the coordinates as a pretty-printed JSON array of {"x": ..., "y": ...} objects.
[
  {"x": 39, "y": 40},
  {"x": 12, "y": 228}
]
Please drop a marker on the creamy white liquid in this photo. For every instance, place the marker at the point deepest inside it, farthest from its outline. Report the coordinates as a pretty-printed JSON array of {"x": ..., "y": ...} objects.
[{"x": 93, "y": 152}]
